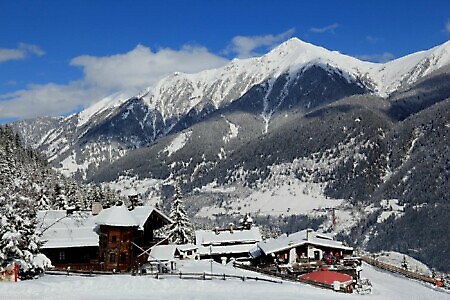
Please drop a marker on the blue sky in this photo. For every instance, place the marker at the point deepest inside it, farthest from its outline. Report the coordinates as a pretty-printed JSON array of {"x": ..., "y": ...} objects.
[{"x": 59, "y": 56}]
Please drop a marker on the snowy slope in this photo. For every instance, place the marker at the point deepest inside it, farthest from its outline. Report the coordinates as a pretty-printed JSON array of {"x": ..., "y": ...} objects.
[
  {"x": 385, "y": 286},
  {"x": 112, "y": 101}
]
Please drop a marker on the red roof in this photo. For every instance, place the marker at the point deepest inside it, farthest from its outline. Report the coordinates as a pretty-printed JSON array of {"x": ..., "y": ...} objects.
[{"x": 326, "y": 276}]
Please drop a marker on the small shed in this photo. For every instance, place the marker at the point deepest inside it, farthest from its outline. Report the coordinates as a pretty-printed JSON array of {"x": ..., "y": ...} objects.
[
  {"x": 188, "y": 251},
  {"x": 162, "y": 259}
]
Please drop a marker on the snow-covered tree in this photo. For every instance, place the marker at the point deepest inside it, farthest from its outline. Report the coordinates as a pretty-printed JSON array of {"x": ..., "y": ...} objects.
[
  {"x": 43, "y": 202},
  {"x": 180, "y": 231},
  {"x": 19, "y": 242},
  {"x": 246, "y": 222},
  {"x": 60, "y": 197}
]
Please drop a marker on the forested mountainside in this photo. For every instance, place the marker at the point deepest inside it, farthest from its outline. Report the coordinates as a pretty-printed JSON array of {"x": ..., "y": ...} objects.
[
  {"x": 28, "y": 184},
  {"x": 25, "y": 173}
]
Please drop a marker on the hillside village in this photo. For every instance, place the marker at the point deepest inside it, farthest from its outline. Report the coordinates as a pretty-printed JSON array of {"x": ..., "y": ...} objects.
[{"x": 132, "y": 240}]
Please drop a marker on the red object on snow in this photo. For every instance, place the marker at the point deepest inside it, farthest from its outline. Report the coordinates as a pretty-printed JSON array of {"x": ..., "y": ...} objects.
[{"x": 327, "y": 277}]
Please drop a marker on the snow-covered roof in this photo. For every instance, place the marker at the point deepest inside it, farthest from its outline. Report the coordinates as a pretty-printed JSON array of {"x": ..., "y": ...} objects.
[
  {"x": 229, "y": 249},
  {"x": 117, "y": 216},
  {"x": 187, "y": 247},
  {"x": 299, "y": 238},
  {"x": 142, "y": 213},
  {"x": 237, "y": 236},
  {"x": 162, "y": 253},
  {"x": 62, "y": 231}
]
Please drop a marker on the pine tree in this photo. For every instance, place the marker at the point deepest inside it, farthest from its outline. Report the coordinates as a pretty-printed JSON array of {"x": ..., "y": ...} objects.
[
  {"x": 180, "y": 231},
  {"x": 19, "y": 242},
  {"x": 60, "y": 197},
  {"x": 43, "y": 202}
]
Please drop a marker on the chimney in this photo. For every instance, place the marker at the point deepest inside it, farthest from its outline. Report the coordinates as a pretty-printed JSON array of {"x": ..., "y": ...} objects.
[{"x": 96, "y": 208}]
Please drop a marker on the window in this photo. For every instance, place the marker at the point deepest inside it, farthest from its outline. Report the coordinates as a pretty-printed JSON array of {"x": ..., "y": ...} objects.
[
  {"x": 62, "y": 255},
  {"x": 112, "y": 257},
  {"x": 123, "y": 258},
  {"x": 113, "y": 239}
]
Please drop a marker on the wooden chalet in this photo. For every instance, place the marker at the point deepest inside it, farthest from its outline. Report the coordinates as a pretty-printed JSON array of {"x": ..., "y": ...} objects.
[
  {"x": 302, "y": 246},
  {"x": 111, "y": 241}
]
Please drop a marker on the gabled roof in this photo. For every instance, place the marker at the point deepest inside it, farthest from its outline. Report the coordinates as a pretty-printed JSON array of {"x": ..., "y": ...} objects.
[
  {"x": 142, "y": 213},
  {"x": 117, "y": 216},
  {"x": 64, "y": 231},
  {"x": 299, "y": 238},
  {"x": 238, "y": 236},
  {"x": 162, "y": 253}
]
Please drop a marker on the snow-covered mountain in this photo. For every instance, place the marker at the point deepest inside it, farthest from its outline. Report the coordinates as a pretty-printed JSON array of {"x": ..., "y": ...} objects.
[{"x": 102, "y": 133}]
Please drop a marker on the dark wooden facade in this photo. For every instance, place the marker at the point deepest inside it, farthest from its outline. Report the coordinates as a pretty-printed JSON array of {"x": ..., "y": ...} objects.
[
  {"x": 79, "y": 258},
  {"x": 115, "y": 248}
]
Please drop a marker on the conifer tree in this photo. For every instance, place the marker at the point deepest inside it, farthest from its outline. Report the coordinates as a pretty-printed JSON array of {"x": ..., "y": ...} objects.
[
  {"x": 60, "y": 197},
  {"x": 180, "y": 231},
  {"x": 19, "y": 242}
]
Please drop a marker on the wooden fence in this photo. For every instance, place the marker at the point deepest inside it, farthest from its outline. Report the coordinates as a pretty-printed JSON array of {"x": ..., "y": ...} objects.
[
  {"x": 181, "y": 275},
  {"x": 398, "y": 270},
  {"x": 209, "y": 276}
]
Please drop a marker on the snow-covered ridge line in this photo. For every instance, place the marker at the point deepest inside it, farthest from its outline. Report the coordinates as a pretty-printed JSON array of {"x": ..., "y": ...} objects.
[{"x": 176, "y": 94}]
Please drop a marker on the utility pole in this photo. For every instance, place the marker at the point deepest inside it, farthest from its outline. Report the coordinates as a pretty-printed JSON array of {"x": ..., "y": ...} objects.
[{"x": 210, "y": 256}]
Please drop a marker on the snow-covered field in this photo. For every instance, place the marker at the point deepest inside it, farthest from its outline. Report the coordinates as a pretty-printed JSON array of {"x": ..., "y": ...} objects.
[{"x": 385, "y": 286}]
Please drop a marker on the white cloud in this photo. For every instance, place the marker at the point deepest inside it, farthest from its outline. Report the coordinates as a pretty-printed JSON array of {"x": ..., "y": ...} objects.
[
  {"x": 141, "y": 67},
  {"x": 329, "y": 28},
  {"x": 136, "y": 69},
  {"x": 45, "y": 100},
  {"x": 245, "y": 46},
  {"x": 447, "y": 26},
  {"x": 380, "y": 58},
  {"x": 21, "y": 52}
]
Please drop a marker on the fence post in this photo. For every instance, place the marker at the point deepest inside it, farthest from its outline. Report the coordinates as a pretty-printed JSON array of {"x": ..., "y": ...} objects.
[{"x": 16, "y": 271}]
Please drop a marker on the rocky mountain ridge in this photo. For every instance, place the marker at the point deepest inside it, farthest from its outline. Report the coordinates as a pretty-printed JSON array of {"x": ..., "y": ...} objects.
[{"x": 106, "y": 131}]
